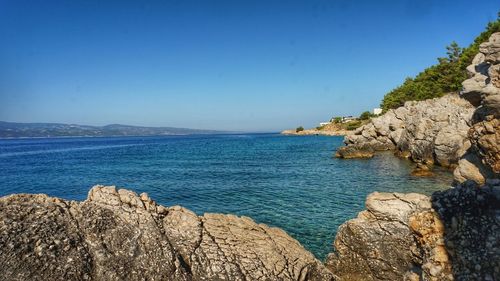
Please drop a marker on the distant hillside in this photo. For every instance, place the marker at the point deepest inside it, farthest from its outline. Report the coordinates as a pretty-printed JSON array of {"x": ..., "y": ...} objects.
[{"x": 20, "y": 130}]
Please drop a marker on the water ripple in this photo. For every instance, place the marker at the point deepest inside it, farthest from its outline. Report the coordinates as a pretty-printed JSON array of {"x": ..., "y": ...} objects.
[{"x": 288, "y": 182}]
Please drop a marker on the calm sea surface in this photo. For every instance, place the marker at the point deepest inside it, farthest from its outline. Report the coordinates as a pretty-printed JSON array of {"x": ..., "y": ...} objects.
[{"x": 284, "y": 181}]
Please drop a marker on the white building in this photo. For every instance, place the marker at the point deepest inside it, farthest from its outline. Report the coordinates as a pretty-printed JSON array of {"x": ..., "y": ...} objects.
[
  {"x": 377, "y": 111},
  {"x": 324, "y": 124}
]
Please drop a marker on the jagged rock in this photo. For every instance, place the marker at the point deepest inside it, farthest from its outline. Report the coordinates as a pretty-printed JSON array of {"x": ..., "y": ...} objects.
[
  {"x": 485, "y": 138},
  {"x": 118, "y": 235},
  {"x": 470, "y": 167},
  {"x": 482, "y": 160},
  {"x": 455, "y": 235},
  {"x": 422, "y": 170},
  {"x": 397, "y": 237},
  {"x": 430, "y": 131},
  {"x": 354, "y": 151},
  {"x": 470, "y": 215},
  {"x": 429, "y": 231}
]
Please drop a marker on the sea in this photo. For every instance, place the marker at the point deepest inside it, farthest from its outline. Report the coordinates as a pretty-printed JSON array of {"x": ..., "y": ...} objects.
[{"x": 291, "y": 182}]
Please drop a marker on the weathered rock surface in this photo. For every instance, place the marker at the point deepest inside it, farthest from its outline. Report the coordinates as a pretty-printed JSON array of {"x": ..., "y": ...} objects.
[
  {"x": 482, "y": 160},
  {"x": 455, "y": 235},
  {"x": 430, "y": 131},
  {"x": 355, "y": 151},
  {"x": 118, "y": 235},
  {"x": 471, "y": 218},
  {"x": 398, "y": 237}
]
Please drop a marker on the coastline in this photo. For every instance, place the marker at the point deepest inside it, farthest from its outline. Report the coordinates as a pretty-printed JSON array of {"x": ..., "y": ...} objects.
[
  {"x": 454, "y": 234},
  {"x": 315, "y": 132}
]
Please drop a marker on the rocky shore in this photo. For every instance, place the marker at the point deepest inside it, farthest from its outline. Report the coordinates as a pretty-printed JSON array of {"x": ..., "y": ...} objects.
[
  {"x": 454, "y": 234},
  {"x": 458, "y": 130},
  {"x": 316, "y": 132},
  {"x": 331, "y": 129},
  {"x": 430, "y": 131},
  {"x": 118, "y": 235}
]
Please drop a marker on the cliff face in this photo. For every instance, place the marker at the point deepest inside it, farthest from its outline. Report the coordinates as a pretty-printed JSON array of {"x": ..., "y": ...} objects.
[
  {"x": 482, "y": 160},
  {"x": 430, "y": 131},
  {"x": 118, "y": 235}
]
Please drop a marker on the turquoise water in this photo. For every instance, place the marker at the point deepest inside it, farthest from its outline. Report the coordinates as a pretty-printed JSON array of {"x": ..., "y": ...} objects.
[{"x": 284, "y": 181}]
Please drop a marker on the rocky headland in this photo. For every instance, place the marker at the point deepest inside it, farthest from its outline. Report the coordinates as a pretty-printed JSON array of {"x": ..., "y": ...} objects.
[
  {"x": 331, "y": 129},
  {"x": 455, "y": 233},
  {"x": 316, "y": 132},
  {"x": 429, "y": 131},
  {"x": 452, "y": 235},
  {"x": 457, "y": 131}
]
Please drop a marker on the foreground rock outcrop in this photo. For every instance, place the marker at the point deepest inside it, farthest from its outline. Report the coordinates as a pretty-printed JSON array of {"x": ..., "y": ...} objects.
[
  {"x": 482, "y": 159},
  {"x": 471, "y": 217},
  {"x": 430, "y": 131},
  {"x": 118, "y": 235},
  {"x": 455, "y": 235},
  {"x": 398, "y": 237}
]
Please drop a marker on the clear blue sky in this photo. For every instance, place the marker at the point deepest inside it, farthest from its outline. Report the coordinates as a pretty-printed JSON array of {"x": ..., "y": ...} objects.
[{"x": 231, "y": 65}]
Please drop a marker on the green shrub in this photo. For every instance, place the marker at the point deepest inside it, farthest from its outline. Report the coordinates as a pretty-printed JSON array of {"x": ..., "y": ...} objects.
[
  {"x": 353, "y": 125},
  {"x": 299, "y": 129},
  {"x": 337, "y": 120},
  {"x": 365, "y": 115}
]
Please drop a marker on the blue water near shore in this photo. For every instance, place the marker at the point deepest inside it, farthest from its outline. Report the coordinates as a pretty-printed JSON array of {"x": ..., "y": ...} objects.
[{"x": 284, "y": 181}]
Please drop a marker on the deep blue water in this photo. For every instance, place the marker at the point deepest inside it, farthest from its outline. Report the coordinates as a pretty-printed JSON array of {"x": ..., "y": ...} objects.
[{"x": 285, "y": 181}]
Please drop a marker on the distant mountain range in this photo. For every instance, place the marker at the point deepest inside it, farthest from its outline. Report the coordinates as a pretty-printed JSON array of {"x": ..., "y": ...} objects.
[{"x": 27, "y": 130}]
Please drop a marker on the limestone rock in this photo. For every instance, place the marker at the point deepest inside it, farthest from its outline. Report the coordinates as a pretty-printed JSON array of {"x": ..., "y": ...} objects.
[
  {"x": 470, "y": 216},
  {"x": 422, "y": 170},
  {"x": 470, "y": 167},
  {"x": 382, "y": 243},
  {"x": 455, "y": 235},
  {"x": 354, "y": 151},
  {"x": 430, "y": 131},
  {"x": 482, "y": 159},
  {"x": 117, "y": 235}
]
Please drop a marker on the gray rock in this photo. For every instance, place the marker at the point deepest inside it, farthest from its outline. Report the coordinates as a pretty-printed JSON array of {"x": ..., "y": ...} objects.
[
  {"x": 355, "y": 151},
  {"x": 482, "y": 160},
  {"x": 118, "y": 235},
  {"x": 469, "y": 213},
  {"x": 430, "y": 131},
  {"x": 396, "y": 238}
]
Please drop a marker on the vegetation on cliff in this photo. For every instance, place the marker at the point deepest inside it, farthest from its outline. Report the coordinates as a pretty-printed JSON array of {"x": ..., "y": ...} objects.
[{"x": 444, "y": 77}]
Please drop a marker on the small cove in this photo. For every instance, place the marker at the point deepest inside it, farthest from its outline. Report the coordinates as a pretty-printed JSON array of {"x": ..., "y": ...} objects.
[{"x": 284, "y": 181}]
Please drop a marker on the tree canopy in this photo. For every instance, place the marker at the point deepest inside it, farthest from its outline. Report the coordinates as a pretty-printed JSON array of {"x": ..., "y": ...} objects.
[{"x": 444, "y": 77}]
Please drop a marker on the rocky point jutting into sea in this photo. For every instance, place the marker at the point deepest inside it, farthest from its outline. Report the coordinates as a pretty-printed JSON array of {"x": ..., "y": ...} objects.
[
  {"x": 454, "y": 234},
  {"x": 429, "y": 131}
]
